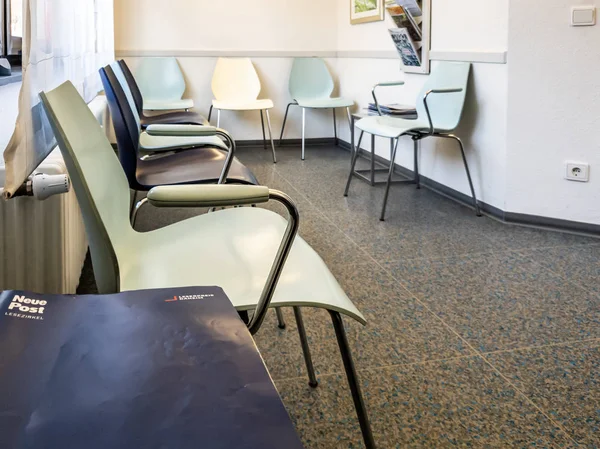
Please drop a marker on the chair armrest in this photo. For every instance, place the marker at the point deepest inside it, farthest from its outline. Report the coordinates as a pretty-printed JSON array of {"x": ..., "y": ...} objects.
[
  {"x": 233, "y": 195},
  {"x": 384, "y": 84},
  {"x": 450, "y": 90},
  {"x": 207, "y": 195},
  {"x": 198, "y": 131}
]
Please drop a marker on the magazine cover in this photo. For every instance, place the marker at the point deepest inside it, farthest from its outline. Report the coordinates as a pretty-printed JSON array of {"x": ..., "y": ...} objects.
[
  {"x": 403, "y": 19},
  {"x": 409, "y": 53}
]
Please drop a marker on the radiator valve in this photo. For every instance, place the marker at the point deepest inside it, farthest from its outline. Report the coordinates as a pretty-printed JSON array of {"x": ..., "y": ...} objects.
[{"x": 42, "y": 186}]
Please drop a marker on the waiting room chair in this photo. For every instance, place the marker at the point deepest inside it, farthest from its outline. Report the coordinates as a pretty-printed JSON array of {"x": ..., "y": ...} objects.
[
  {"x": 236, "y": 87},
  {"x": 168, "y": 154},
  {"x": 252, "y": 253},
  {"x": 162, "y": 84},
  {"x": 311, "y": 86},
  {"x": 177, "y": 117},
  {"x": 439, "y": 108}
]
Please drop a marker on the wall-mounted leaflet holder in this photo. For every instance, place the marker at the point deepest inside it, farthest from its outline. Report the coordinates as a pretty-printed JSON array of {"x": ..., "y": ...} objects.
[{"x": 412, "y": 35}]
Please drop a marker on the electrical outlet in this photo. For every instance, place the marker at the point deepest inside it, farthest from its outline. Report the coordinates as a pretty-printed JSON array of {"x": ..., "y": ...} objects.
[{"x": 578, "y": 171}]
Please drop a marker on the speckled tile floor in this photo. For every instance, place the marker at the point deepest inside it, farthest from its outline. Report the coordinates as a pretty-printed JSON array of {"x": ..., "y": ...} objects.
[{"x": 480, "y": 334}]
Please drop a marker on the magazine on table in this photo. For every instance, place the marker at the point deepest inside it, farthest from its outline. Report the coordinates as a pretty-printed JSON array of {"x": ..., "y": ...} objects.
[
  {"x": 394, "y": 109},
  {"x": 406, "y": 46}
]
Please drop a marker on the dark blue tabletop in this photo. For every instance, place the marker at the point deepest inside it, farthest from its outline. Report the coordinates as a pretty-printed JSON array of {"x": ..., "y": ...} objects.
[{"x": 150, "y": 369}]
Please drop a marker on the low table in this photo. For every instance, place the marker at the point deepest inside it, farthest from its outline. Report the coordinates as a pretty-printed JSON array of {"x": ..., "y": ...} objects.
[
  {"x": 370, "y": 175},
  {"x": 173, "y": 368}
]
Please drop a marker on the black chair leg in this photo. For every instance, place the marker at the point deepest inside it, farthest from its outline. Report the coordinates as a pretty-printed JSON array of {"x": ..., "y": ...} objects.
[
  {"x": 210, "y": 113},
  {"x": 280, "y": 319},
  {"x": 287, "y": 110},
  {"x": 359, "y": 404},
  {"x": 355, "y": 155},
  {"x": 417, "y": 175},
  {"x": 262, "y": 122},
  {"x": 312, "y": 378},
  {"x": 393, "y": 150}
]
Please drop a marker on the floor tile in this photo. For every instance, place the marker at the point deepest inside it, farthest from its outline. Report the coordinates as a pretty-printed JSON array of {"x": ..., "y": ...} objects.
[
  {"x": 579, "y": 264},
  {"x": 499, "y": 302},
  {"x": 455, "y": 403},
  {"x": 564, "y": 381}
]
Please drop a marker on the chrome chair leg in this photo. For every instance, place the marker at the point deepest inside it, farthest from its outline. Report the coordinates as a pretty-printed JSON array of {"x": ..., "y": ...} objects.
[
  {"x": 417, "y": 175},
  {"x": 287, "y": 110},
  {"x": 355, "y": 154},
  {"x": 262, "y": 122},
  {"x": 462, "y": 151},
  {"x": 353, "y": 382},
  {"x": 312, "y": 377},
  {"x": 335, "y": 126},
  {"x": 280, "y": 318},
  {"x": 210, "y": 113},
  {"x": 393, "y": 150},
  {"x": 138, "y": 206},
  {"x": 303, "y": 131},
  {"x": 132, "y": 204},
  {"x": 349, "y": 119},
  {"x": 271, "y": 136}
]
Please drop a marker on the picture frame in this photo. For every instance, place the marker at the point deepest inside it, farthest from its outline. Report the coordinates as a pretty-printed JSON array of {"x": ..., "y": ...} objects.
[{"x": 365, "y": 11}]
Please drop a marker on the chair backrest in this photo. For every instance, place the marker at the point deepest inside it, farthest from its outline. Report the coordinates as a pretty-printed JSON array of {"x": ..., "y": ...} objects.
[
  {"x": 160, "y": 79},
  {"x": 235, "y": 79},
  {"x": 133, "y": 87},
  {"x": 100, "y": 185},
  {"x": 310, "y": 79},
  {"x": 446, "y": 109},
  {"x": 126, "y": 124}
]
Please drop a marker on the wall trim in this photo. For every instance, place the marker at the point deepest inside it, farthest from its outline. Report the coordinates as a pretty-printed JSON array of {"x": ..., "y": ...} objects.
[
  {"x": 486, "y": 57},
  {"x": 508, "y": 218},
  {"x": 226, "y": 53}
]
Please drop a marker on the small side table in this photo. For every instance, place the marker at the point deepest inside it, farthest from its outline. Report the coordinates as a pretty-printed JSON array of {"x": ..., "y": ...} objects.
[{"x": 369, "y": 175}]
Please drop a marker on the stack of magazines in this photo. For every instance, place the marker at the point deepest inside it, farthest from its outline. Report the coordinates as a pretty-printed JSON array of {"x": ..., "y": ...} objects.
[{"x": 396, "y": 110}]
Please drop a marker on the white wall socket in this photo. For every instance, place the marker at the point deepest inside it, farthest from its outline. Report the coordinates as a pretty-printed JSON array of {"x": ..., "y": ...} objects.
[{"x": 578, "y": 171}]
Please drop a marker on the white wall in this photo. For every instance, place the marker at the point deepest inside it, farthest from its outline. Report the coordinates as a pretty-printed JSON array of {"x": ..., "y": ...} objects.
[
  {"x": 553, "y": 111},
  {"x": 458, "y": 26},
  {"x": 189, "y": 29}
]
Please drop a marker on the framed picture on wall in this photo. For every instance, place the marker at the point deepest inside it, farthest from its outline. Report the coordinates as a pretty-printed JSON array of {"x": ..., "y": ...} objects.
[{"x": 363, "y": 11}]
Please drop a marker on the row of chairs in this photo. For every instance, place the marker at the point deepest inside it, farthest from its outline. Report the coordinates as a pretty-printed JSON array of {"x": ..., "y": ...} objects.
[
  {"x": 254, "y": 254},
  {"x": 236, "y": 86}
]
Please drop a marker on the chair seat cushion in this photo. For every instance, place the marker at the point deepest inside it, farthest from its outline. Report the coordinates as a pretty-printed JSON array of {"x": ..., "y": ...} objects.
[
  {"x": 233, "y": 249},
  {"x": 246, "y": 105},
  {"x": 390, "y": 127},
  {"x": 168, "y": 105},
  {"x": 325, "y": 103},
  {"x": 193, "y": 166},
  {"x": 175, "y": 118},
  {"x": 167, "y": 143}
]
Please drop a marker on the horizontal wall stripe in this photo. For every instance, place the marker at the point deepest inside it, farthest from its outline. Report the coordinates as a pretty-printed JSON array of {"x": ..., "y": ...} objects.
[{"x": 485, "y": 57}]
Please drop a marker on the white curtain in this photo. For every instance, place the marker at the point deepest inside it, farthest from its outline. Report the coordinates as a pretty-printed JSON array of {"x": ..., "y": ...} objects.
[{"x": 62, "y": 40}]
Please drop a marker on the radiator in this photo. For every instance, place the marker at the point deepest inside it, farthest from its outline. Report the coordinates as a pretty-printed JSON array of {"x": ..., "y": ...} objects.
[{"x": 43, "y": 243}]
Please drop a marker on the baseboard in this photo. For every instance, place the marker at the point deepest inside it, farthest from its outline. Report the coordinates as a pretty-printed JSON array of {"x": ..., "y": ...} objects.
[
  {"x": 532, "y": 221},
  {"x": 289, "y": 142}
]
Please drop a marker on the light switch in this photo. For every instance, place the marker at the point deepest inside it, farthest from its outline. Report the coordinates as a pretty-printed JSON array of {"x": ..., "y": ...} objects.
[{"x": 583, "y": 16}]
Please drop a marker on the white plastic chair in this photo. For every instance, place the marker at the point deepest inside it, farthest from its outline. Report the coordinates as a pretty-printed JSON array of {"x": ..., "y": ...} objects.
[{"x": 236, "y": 87}]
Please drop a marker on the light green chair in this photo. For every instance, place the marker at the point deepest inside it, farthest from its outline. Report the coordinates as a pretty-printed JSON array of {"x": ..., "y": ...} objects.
[
  {"x": 252, "y": 253},
  {"x": 162, "y": 84},
  {"x": 311, "y": 86},
  {"x": 438, "y": 116}
]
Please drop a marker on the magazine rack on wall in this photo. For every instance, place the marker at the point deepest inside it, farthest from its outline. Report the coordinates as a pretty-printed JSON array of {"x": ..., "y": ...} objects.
[{"x": 412, "y": 35}]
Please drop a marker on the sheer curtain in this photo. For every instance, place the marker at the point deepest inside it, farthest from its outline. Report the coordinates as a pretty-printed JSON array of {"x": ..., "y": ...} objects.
[{"x": 62, "y": 40}]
